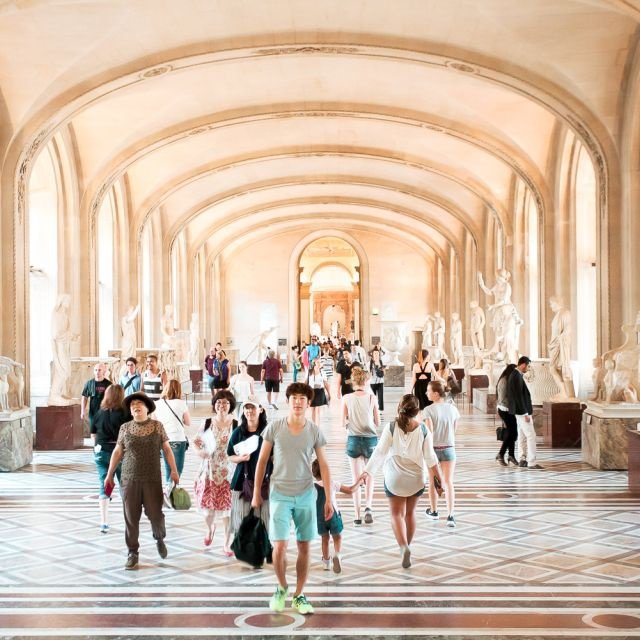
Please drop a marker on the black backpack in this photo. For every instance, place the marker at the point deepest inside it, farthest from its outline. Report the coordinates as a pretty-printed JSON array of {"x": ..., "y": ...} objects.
[{"x": 251, "y": 544}]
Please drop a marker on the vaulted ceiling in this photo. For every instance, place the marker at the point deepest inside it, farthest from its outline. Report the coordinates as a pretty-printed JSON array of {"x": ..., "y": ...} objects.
[{"x": 230, "y": 120}]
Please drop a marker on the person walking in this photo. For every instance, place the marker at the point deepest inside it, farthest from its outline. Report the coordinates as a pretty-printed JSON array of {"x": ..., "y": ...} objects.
[
  {"x": 130, "y": 380},
  {"x": 445, "y": 375},
  {"x": 104, "y": 433},
  {"x": 221, "y": 371},
  {"x": 332, "y": 528},
  {"x": 93, "y": 393},
  {"x": 422, "y": 372},
  {"x": 271, "y": 375},
  {"x": 173, "y": 412},
  {"x": 376, "y": 382},
  {"x": 441, "y": 418},
  {"x": 405, "y": 452},
  {"x": 253, "y": 423},
  {"x": 212, "y": 486},
  {"x": 153, "y": 379},
  {"x": 138, "y": 447},
  {"x": 361, "y": 418},
  {"x": 511, "y": 425},
  {"x": 296, "y": 362},
  {"x": 321, "y": 392},
  {"x": 293, "y": 441},
  {"x": 519, "y": 402}
]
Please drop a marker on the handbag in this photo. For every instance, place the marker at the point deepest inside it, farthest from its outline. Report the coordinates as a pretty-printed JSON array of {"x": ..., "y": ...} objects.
[
  {"x": 501, "y": 433},
  {"x": 248, "y": 485},
  {"x": 180, "y": 499}
]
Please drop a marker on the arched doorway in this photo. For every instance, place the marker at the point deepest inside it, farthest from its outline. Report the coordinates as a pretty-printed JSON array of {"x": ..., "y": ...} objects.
[{"x": 329, "y": 289}]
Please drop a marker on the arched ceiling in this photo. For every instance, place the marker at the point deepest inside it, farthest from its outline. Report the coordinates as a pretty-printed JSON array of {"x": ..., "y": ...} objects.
[{"x": 226, "y": 119}]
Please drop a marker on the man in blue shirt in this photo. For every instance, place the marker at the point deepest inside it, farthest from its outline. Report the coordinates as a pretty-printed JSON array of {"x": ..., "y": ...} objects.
[
  {"x": 313, "y": 350},
  {"x": 130, "y": 379}
]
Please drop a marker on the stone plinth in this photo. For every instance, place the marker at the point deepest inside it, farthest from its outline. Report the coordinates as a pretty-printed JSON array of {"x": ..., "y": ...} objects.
[
  {"x": 562, "y": 424},
  {"x": 254, "y": 371},
  {"x": 604, "y": 433},
  {"x": 633, "y": 436},
  {"x": 484, "y": 400},
  {"x": 394, "y": 376},
  {"x": 196, "y": 376},
  {"x": 16, "y": 440},
  {"x": 475, "y": 381},
  {"x": 59, "y": 428}
]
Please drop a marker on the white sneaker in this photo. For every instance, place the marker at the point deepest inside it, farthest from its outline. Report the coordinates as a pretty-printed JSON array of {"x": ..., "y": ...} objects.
[
  {"x": 326, "y": 564},
  {"x": 337, "y": 564}
]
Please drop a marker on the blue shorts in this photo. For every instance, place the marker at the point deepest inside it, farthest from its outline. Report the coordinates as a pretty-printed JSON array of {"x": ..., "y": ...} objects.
[
  {"x": 333, "y": 526},
  {"x": 445, "y": 454},
  {"x": 301, "y": 509},
  {"x": 361, "y": 446}
]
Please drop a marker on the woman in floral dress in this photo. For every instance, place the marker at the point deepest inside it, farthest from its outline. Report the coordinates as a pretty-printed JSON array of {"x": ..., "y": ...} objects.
[{"x": 212, "y": 487}]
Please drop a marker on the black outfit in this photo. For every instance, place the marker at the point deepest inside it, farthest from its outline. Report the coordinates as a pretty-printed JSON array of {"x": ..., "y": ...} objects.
[
  {"x": 378, "y": 387},
  {"x": 238, "y": 435},
  {"x": 509, "y": 443},
  {"x": 420, "y": 387},
  {"x": 518, "y": 395},
  {"x": 95, "y": 391},
  {"x": 106, "y": 425},
  {"x": 344, "y": 370}
]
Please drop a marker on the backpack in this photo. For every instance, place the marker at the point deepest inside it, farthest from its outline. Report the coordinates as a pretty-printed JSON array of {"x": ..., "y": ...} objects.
[
  {"x": 392, "y": 426},
  {"x": 251, "y": 543}
]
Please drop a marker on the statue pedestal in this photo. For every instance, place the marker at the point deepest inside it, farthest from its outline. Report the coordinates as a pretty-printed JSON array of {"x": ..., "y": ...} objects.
[
  {"x": 474, "y": 381},
  {"x": 196, "y": 376},
  {"x": 633, "y": 436},
  {"x": 394, "y": 376},
  {"x": 484, "y": 400},
  {"x": 16, "y": 440},
  {"x": 562, "y": 424},
  {"x": 59, "y": 428},
  {"x": 604, "y": 433}
]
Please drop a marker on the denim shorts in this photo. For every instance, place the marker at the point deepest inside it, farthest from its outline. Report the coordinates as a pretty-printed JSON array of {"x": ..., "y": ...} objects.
[
  {"x": 102, "y": 460},
  {"x": 361, "y": 446},
  {"x": 388, "y": 493},
  {"x": 301, "y": 509},
  {"x": 445, "y": 454}
]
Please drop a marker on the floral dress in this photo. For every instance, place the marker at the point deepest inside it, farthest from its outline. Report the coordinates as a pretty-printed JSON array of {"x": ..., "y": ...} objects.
[{"x": 212, "y": 486}]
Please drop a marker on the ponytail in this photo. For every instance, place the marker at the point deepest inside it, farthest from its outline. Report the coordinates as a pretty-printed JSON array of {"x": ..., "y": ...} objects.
[{"x": 407, "y": 409}]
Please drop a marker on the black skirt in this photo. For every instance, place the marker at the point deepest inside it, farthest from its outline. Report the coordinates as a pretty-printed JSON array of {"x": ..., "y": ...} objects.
[{"x": 319, "y": 398}]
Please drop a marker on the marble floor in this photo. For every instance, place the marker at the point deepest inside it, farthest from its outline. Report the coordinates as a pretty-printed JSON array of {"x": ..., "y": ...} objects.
[{"x": 536, "y": 554}]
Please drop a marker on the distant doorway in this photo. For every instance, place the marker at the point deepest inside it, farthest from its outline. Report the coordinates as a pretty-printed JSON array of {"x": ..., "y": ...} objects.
[{"x": 329, "y": 289}]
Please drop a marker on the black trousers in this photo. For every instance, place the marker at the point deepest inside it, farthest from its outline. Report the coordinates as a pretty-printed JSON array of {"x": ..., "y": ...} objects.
[
  {"x": 509, "y": 443},
  {"x": 378, "y": 391}
]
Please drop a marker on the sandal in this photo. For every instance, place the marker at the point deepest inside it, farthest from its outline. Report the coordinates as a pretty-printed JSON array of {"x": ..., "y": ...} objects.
[{"x": 368, "y": 516}]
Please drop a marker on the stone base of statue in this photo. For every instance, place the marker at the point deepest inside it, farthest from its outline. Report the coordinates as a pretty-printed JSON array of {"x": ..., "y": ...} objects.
[
  {"x": 196, "y": 376},
  {"x": 59, "y": 428},
  {"x": 604, "y": 433},
  {"x": 474, "y": 381},
  {"x": 633, "y": 436},
  {"x": 484, "y": 400},
  {"x": 562, "y": 424},
  {"x": 16, "y": 440},
  {"x": 394, "y": 376}
]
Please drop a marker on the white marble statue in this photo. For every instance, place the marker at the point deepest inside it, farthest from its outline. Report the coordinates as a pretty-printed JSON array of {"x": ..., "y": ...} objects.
[
  {"x": 457, "y": 356},
  {"x": 560, "y": 350},
  {"x": 19, "y": 376},
  {"x": 506, "y": 321},
  {"x": 194, "y": 342},
  {"x": 4, "y": 389},
  {"x": 167, "y": 328},
  {"x": 129, "y": 340},
  {"x": 62, "y": 337},
  {"x": 439, "y": 328},
  {"x": 427, "y": 332},
  {"x": 478, "y": 321},
  {"x": 259, "y": 345},
  {"x": 617, "y": 374}
]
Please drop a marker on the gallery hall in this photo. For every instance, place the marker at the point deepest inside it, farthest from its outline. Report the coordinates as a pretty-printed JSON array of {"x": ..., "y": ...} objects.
[{"x": 358, "y": 274}]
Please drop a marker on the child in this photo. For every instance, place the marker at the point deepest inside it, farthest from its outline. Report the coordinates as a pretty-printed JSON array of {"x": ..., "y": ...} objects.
[{"x": 331, "y": 527}]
